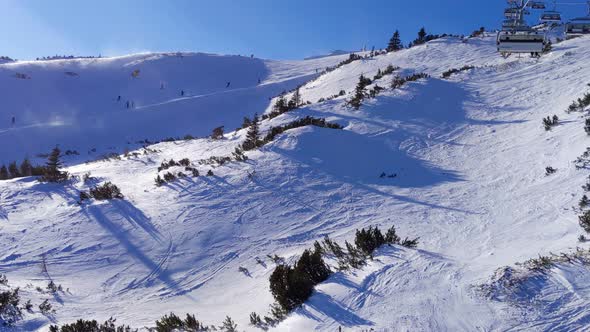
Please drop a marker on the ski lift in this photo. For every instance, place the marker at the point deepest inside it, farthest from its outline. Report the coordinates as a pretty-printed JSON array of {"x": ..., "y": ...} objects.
[
  {"x": 550, "y": 16},
  {"x": 516, "y": 35}
]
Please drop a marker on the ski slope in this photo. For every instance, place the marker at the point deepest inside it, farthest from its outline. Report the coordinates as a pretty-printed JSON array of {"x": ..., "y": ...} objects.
[
  {"x": 469, "y": 154},
  {"x": 59, "y": 102}
]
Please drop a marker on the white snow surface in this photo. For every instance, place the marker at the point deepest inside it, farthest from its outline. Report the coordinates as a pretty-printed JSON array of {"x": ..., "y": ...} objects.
[
  {"x": 469, "y": 153},
  {"x": 74, "y": 103}
]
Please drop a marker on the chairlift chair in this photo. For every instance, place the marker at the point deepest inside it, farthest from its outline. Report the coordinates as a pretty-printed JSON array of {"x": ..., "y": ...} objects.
[
  {"x": 578, "y": 26},
  {"x": 511, "y": 13},
  {"x": 514, "y": 24},
  {"x": 521, "y": 41},
  {"x": 537, "y": 5},
  {"x": 550, "y": 17},
  {"x": 507, "y": 24}
]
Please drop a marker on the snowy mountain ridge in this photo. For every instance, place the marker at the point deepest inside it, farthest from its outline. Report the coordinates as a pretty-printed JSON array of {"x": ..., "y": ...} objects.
[{"x": 465, "y": 161}]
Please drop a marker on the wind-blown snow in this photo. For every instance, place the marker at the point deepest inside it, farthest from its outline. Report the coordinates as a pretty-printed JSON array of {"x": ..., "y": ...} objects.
[{"x": 469, "y": 154}]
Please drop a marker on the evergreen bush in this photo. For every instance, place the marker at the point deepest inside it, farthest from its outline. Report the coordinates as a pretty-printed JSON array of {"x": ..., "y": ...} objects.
[
  {"x": 106, "y": 191},
  {"x": 293, "y": 285},
  {"x": 52, "y": 171}
]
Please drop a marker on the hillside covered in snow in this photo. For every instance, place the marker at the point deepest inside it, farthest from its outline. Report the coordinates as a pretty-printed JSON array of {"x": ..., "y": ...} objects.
[
  {"x": 459, "y": 159},
  {"x": 105, "y": 103}
]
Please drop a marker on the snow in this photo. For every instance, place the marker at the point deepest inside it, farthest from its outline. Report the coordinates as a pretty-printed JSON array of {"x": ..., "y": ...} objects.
[
  {"x": 67, "y": 101},
  {"x": 556, "y": 297},
  {"x": 469, "y": 154}
]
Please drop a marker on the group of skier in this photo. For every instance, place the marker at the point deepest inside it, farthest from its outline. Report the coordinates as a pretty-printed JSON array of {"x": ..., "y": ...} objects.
[
  {"x": 128, "y": 103},
  {"x": 131, "y": 104}
]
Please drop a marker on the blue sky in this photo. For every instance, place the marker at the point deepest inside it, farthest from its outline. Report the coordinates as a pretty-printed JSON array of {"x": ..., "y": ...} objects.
[{"x": 279, "y": 29}]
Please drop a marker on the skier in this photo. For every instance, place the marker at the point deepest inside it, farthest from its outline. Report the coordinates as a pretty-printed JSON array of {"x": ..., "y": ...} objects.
[
  {"x": 251, "y": 56},
  {"x": 127, "y": 103},
  {"x": 258, "y": 81},
  {"x": 227, "y": 85},
  {"x": 182, "y": 93},
  {"x": 13, "y": 120},
  {"x": 119, "y": 98}
]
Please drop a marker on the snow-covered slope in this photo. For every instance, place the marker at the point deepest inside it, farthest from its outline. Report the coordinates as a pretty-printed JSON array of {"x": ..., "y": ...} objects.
[
  {"x": 469, "y": 154},
  {"x": 75, "y": 103}
]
